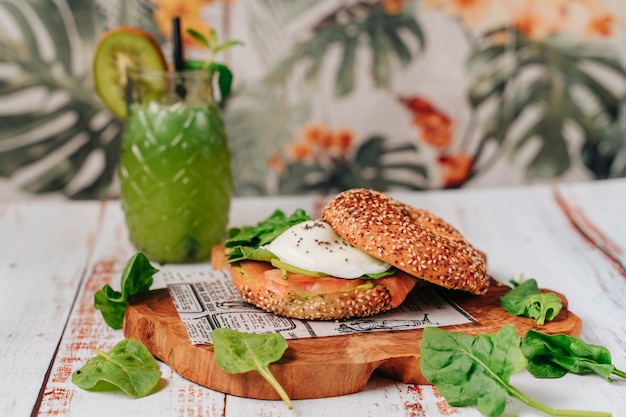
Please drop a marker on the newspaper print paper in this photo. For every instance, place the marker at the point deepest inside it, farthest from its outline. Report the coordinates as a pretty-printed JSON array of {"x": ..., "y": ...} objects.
[{"x": 208, "y": 300}]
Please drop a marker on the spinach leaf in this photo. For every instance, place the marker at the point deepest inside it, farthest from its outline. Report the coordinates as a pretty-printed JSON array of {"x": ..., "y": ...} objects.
[
  {"x": 241, "y": 240},
  {"x": 472, "y": 370},
  {"x": 552, "y": 356},
  {"x": 476, "y": 370},
  {"x": 238, "y": 352},
  {"x": 128, "y": 366},
  {"x": 258, "y": 254},
  {"x": 136, "y": 277},
  {"x": 525, "y": 299}
]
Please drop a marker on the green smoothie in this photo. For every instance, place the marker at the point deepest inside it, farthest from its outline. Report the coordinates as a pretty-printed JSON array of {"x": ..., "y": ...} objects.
[{"x": 175, "y": 179}]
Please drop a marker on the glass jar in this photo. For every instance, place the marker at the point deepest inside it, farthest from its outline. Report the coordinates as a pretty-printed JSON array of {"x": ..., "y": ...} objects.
[{"x": 174, "y": 167}]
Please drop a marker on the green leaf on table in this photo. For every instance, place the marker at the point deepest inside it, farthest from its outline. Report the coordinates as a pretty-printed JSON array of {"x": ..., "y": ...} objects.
[
  {"x": 242, "y": 240},
  {"x": 128, "y": 366},
  {"x": 552, "y": 356},
  {"x": 526, "y": 299},
  {"x": 238, "y": 352},
  {"x": 136, "y": 278},
  {"x": 472, "y": 370},
  {"x": 476, "y": 370}
]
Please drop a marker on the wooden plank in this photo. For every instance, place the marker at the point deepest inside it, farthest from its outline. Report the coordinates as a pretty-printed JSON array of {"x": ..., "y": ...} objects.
[
  {"x": 42, "y": 261},
  {"x": 86, "y": 331},
  {"x": 381, "y": 397},
  {"x": 601, "y": 224},
  {"x": 526, "y": 231},
  {"x": 522, "y": 230}
]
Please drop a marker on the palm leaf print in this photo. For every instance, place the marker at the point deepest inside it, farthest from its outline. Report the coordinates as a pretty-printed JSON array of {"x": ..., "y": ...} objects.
[
  {"x": 64, "y": 129},
  {"x": 543, "y": 89},
  {"x": 359, "y": 25}
]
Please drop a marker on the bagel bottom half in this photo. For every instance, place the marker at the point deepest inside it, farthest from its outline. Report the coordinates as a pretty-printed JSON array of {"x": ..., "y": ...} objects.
[{"x": 315, "y": 298}]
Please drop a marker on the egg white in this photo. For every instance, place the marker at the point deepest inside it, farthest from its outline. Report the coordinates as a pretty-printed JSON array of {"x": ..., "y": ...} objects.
[{"x": 314, "y": 245}]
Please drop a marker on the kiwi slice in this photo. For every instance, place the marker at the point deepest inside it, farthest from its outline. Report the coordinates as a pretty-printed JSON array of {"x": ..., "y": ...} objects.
[{"x": 119, "y": 50}]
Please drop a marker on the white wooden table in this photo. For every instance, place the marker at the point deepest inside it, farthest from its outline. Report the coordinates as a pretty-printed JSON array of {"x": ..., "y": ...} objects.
[{"x": 54, "y": 255}]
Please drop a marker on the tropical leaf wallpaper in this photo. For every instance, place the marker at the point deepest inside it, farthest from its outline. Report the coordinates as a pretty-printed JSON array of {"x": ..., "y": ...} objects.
[{"x": 328, "y": 95}]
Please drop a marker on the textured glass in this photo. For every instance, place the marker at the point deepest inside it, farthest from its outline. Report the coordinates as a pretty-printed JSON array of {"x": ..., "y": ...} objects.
[{"x": 174, "y": 170}]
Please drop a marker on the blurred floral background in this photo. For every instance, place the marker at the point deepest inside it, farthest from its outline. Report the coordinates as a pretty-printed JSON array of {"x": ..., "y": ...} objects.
[{"x": 389, "y": 94}]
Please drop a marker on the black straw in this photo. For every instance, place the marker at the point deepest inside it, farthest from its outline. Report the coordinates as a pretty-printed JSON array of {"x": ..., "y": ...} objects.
[{"x": 179, "y": 63}]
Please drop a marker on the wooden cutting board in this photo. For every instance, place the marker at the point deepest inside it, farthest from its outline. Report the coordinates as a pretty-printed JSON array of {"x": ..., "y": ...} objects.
[{"x": 318, "y": 367}]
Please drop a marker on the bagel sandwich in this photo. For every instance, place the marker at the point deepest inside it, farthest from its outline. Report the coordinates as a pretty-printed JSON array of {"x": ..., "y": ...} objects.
[{"x": 362, "y": 257}]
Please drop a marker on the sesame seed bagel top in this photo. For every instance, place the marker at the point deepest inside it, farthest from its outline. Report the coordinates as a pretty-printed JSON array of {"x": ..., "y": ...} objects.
[{"x": 411, "y": 239}]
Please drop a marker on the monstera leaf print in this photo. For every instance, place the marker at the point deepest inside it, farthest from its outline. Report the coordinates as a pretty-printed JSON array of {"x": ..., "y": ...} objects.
[
  {"x": 606, "y": 158},
  {"x": 62, "y": 126},
  {"x": 543, "y": 88},
  {"x": 345, "y": 29},
  {"x": 253, "y": 133},
  {"x": 367, "y": 168},
  {"x": 52, "y": 125}
]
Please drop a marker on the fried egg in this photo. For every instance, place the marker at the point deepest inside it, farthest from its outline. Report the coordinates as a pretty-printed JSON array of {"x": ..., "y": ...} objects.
[{"x": 313, "y": 245}]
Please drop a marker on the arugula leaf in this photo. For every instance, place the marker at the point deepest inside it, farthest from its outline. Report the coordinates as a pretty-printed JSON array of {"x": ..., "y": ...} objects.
[
  {"x": 252, "y": 237},
  {"x": 552, "y": 356},
  {"x": 525, "y": 299},
  {"x": 476, "y": 370},
  {"x": 238, "y": 352},
  {"x": 136, "y": 277},
  {"x": 128, "y": 366}
]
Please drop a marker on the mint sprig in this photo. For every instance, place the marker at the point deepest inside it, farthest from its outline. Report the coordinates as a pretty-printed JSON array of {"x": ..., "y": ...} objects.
[{"x": 225, "y": 75}]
